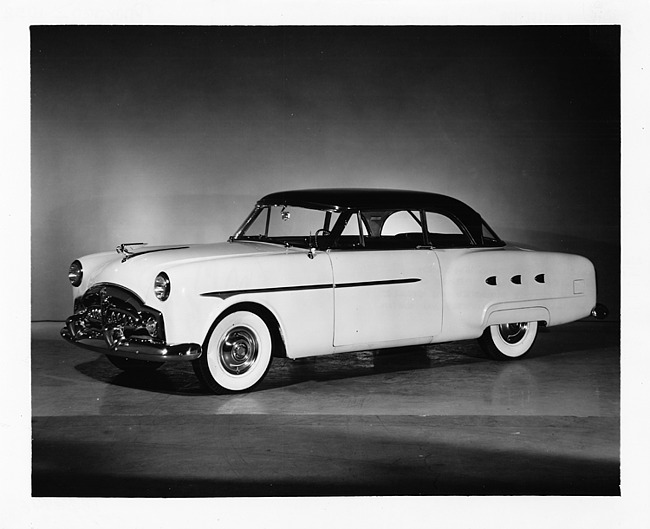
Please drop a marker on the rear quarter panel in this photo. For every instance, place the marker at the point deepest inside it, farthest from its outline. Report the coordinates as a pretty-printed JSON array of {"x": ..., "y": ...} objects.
[{"x": 481, "y": 287}]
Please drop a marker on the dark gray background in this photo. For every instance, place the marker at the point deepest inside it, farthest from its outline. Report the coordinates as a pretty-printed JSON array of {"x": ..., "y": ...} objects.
[{"x": 169, "y": 134}]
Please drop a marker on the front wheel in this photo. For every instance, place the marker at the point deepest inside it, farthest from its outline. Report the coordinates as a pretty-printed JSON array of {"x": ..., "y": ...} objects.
[
  {"x": 236, "y": 354},
  {"x": 508, "y": 341}
]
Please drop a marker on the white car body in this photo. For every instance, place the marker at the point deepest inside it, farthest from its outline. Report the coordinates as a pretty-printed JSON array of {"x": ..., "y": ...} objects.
[{"x": 319, "y": 301}]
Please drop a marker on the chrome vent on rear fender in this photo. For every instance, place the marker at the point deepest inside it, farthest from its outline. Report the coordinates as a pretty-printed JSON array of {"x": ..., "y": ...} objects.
[{"x": 516, "y": 279}]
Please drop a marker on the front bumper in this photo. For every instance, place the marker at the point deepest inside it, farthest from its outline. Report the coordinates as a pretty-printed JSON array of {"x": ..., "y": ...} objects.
[
  {"x": 111, "y": 320},
  {"x": 136, "y": 348}
]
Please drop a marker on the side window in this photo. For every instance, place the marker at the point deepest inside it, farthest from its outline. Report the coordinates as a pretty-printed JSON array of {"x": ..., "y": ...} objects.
[
  {"x": 401, "y": 222},
  {"x": 489, "y": 237},
  {"x": 438, "y": 223},
  {"x": 400, "y": 230},
  {"x": 352, "y": 227},
  {"x": 349, "y": 238},
  {"x": 444, "y": 232}
]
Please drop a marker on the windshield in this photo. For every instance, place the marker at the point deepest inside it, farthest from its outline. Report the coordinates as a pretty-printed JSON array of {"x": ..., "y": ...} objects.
[{"x": 288, "y": 225}]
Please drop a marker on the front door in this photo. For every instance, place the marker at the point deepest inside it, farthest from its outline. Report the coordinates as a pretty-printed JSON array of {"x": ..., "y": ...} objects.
[{"x": 386, "y": 296}]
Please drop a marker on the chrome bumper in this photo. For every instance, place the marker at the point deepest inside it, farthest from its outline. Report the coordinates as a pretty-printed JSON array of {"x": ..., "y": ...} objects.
[
  {"x": 112, "y": 320},
  {"x": 136, "y": 348}
]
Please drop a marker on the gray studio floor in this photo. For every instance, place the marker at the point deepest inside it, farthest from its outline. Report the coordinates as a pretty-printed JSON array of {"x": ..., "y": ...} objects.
[{"x": 437, "y": 420}]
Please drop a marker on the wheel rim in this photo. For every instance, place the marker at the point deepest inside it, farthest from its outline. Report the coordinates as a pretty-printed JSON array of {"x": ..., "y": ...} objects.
[
  {"x": 513, "y": 333},
  {"x": 238, "y": 350}
]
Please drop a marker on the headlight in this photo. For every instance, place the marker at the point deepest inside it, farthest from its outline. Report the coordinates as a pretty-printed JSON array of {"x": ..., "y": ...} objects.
[
  {"x": 75, "y": 274},
  {"x": 162, "y": 286}
]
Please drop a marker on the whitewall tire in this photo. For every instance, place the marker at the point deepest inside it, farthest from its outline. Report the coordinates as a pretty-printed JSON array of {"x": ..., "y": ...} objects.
[
  {"x": 508, "y": 341},
  {"x": 236, "y": 354}
]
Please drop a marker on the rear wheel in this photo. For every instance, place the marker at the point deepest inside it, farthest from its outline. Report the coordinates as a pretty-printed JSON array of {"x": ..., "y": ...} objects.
[
  {"x": 236, "y": 355},
  {"x": 132, "y": 365},
  {"x": 508, "y": 341}
]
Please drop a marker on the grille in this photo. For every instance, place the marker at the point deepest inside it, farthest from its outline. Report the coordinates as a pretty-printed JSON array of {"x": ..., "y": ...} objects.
[{"x": 109, "y": 308}]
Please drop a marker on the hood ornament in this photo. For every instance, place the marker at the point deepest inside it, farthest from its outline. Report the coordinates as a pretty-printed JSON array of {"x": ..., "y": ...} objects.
[{"x": 127, "y": 252}]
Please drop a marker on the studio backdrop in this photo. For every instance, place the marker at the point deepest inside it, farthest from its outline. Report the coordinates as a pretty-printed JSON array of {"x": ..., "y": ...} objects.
[{"x": 170, "y": 134}]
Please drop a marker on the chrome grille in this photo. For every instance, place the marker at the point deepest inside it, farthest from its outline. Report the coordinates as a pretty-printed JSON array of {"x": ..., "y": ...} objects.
[{"x": 106, "y": 308}]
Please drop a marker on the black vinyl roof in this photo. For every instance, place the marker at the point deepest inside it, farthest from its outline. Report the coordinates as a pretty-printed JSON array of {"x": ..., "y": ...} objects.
[
  {"x": 369, "y": 199},
  {"x": 378, "y": 199}
]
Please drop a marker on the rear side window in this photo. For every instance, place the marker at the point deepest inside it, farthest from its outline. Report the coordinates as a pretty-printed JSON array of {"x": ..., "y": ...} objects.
[
  {"x": 444, "y": 232},
  {"x": 402, "y": 230},
  {"x": 489, "y": 237},
  {"x": 402, "y": 222},
  {"x": 438, "y": 223}
]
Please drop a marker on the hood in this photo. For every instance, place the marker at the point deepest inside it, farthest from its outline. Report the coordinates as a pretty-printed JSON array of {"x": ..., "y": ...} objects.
[
  {"x": 137, "y": 262},
  {"x": 172, "y": 254}
]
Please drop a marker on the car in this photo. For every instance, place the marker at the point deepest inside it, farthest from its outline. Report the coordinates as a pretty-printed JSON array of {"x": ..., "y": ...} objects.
[{"x": 322, "y": 271}]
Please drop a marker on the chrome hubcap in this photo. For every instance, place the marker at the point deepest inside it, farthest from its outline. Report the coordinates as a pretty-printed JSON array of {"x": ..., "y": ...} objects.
[
  {"x": 512, "y": 333},
  {"x": 238, "y": 350}
]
